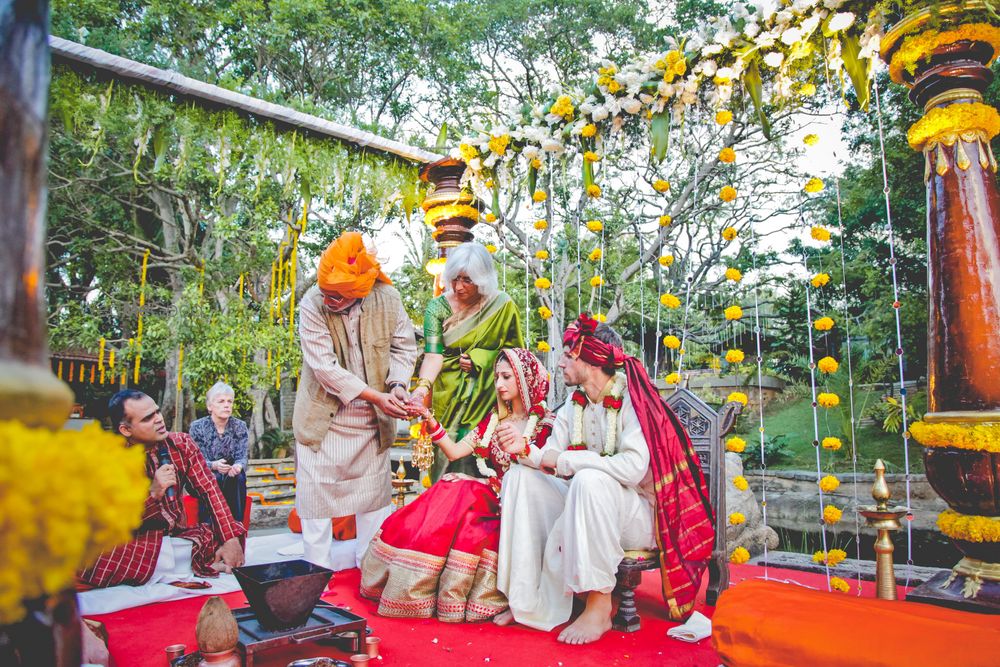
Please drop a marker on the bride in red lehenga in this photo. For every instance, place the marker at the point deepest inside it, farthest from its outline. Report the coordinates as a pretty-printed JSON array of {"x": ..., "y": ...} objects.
[{"x": 439, "y": 554}]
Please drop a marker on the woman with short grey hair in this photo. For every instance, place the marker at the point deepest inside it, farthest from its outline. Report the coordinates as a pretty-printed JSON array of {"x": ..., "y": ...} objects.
[
  {"x": 464, "y": 330},
  {"x": 223, "y": 441}
]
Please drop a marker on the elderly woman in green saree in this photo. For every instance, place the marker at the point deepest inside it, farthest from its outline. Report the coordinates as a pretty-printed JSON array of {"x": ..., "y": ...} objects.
[{"x": 464, "y": 330}]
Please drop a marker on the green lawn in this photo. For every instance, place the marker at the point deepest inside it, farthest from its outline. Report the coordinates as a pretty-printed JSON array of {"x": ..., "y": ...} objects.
[{"x": 793, "y": 419}]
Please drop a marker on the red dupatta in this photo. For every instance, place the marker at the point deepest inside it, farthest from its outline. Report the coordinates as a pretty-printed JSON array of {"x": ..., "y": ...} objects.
[{"x": 685, "y": 532}]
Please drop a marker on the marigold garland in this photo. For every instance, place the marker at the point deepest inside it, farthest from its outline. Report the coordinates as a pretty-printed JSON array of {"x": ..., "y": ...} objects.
[
  {"x": 831, "y": 514},
  {"x": 828, "y": 400},
  {"x": 727, "y": 193},
  {"x": 451, "y": 211},
  {"x": 723, "y": 117},
  {"x": 673, "y": 379},
  {"x": 820, "y": 279},
  {"x": 666, "y": 260},
  {"x": 832, "y": 444},
  {"x": 832, "y": 558},
  {"x": 539, "y": 196},
  {"x": 829, "y": 484},
  {"x": 665, "y": 220},
  {"x": 544, "y": 312},
  {"x": 734, "y": 356},
  {"x": 661, "y": 185},
  {"x": 734, "y": 275},
  {"x": 827, "y": 365},
  {"x": 594, "y": 191},
  {"x": 733, "y": 313},
  {"x": 739, "y": 556},
  {"x": 596, "y": 282},
  {"x": 672, "y": 342},
  {"x": 727, "y": 155},
  {"x": 736, "y": 444},
  {"x": 541, "y": 225},
  {"x": 57, "y": 523},
  {"x": 953, "y": 119},
  {"x": 736, "y": 518},
  {"x": 542, "y": 254},
  {"x": 921, "y": 46},
  {"x": 839, "y": 585},
  {"x": 543, "y": 283},
  {"x": 595, "y": 255},
  {"x": 737, "y": 397},
  {"x": 824, "y": 324},
  {"x": 595, "y": 226},
  {"x": 976, "y": 437},
  {"x": 741, "y": 483},
  {"x": 820, "y": 233},
  {"x": 670, "y": 301},
  {"x": 543, "y": 346},
  {"x": 729, "y": 233},
  {"x": 969, "y": 527}
]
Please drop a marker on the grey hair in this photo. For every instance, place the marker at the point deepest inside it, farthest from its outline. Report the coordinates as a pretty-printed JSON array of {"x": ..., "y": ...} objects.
[
  {"x": 475, "y": 261},
  {"x": 218, "y": 388}
]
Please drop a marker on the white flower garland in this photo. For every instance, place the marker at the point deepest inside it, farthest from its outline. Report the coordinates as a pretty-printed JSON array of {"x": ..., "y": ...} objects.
[
  {"x": 611, "y": 436},
  {"x": 491, "y": 427}
]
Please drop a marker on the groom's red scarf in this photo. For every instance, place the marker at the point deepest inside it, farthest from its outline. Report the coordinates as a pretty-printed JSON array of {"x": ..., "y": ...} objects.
[{"x": 684, "y": 518}]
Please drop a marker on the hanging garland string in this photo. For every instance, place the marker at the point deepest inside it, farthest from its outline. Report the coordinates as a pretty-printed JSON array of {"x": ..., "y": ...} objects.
[
  {"x": 142, "y": 306},
  {"x": 180, "y": 371}
]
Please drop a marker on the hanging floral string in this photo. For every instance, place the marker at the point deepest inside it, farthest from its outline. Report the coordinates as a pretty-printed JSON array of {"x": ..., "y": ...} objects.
[{"x": 142, "y": 306}]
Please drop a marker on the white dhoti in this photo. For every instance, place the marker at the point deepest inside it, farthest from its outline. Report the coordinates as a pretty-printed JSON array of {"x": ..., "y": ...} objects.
[
  {"x": 317, "y": 536},
  {"x": 558, "y": 538}
]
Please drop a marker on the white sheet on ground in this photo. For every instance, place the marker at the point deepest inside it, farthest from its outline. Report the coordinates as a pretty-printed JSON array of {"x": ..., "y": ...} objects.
[{"x": 262, "y": 549}]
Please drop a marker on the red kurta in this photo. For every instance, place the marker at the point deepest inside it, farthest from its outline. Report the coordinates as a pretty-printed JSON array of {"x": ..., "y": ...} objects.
[{"x": 133, "y": 563}]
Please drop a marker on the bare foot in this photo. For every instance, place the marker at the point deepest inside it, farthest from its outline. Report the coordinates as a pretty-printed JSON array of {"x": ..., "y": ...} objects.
[
  {"x": 504, "y": 618},
  {"x": 592, "y": 623}
]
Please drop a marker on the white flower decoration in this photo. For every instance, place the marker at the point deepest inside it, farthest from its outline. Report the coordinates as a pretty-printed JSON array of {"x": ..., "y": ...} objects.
[{"x": 841, "y": 21}]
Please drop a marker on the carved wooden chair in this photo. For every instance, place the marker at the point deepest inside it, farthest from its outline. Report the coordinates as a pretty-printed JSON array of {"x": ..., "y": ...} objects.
[{"x": 706, "y": 428}]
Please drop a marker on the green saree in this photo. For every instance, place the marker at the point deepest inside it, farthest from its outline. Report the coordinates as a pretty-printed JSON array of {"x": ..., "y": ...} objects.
[{"x": 461, "y": 400}]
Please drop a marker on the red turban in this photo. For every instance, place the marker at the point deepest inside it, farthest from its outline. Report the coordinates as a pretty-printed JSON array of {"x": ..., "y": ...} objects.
[{"x": 347, "y": 269}]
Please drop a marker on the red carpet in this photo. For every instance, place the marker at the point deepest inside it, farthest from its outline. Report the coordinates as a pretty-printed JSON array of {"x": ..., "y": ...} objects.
[{"x": 139, "y": 635}]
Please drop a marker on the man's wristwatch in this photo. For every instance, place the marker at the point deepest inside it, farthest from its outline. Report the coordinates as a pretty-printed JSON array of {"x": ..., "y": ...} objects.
[{"x": 397, "y": 383}]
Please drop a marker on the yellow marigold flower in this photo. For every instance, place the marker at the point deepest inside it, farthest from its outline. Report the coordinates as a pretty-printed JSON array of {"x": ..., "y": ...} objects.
[
  {"x": 727, "y": 155},
  {"x": 828, "y": 400},
  {"x": 543, "y": 346},
  {"x": 839, "y": 585},
  {"x": 729, "y": 233},
  {"x": 740, "y": 482},
  {"x": 541, "y": 224},
  {"x": 807, "y": 90},
  {"x": 670, "y": 301},
  {"x": 591, "y": 156},
  {"x": 489, "y": 184},
  {"x": 736, "y": 518},
  {"x": 734, "y": 356},
  {"x": 595, "y": 226},
  {"x": 733, "y": 313},
  {"x": 672, "y": 57},
  {"x": 672, "y": 342},
  {"x": 499, "y": 144},
  {"x": 666, "y": 260},
  {"x": 727, "y": 193},
  {"x": 820, "y": 233},
  {"x": 490, "y": 248},
  {"x": 831, "y": 514},
  {"x": 594, "y": 190},
  {"x": 542, "y": 254},
  {"x": 736, "y": 444},
  {"x": 810, "y": 139},
  {"x": 665, "y": 220},
  {"x": 813, "y": 185},
  {"x": 734, "y": 274},
  {"x": 661, "y": 185},
  {"x": 829, "y": 484},
  {"x": 673, "y": 379},
  {"x": 823, "y": 324},
  {"x": 544, "y": 312},
  {"x": 680, "y": 67},
  {"x": 827, "y": 365},
  {"x": 563, "y": 106},
  {"x": 588, "y": 130},
  {"x": 539, "y": 196},
  {"x": 739, "y": 556},
  {"x": 595, "y": 255},
  {"x": 468, "y": 152},
  {"x": 738, "y": 397},
  {"x": 536, "y": 163},
  {"x": 415, "y": 431},
  {"x": 832, "y": 444},
  {"x": 969, "y": 527},
  {"x": 543, "y": 283},
  {"x": 596, "y": 281},
  {"x": 836, "y": 557},
  {"x": 820, "y": 279},
  {"x": 600, "y": 317},
  {"x": 724, "y": 117},
  {"x": 490, "y": 217}
]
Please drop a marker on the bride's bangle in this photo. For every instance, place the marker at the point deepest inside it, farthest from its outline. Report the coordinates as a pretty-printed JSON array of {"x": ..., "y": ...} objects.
[
  {"x": 423, "y": 383},
  {"x": 438, "y": 433}
]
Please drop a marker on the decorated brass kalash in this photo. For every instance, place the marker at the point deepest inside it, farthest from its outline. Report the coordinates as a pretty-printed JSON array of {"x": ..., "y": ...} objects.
[
  {"x": 450, "y": 209},
  {"x": 942, "y": 54},
  {"x": 885, "y": 520}
]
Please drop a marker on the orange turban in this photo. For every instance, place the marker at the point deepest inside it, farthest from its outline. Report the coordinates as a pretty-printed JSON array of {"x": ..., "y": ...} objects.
[{"x": 346, "y": 268}]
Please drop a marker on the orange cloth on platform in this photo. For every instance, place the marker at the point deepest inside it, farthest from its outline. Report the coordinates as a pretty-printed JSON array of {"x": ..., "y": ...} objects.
[
  {"x": 347, "y": 269},
  {"x": 770, "y": 624},
  {"x": 344, "y": 527}
]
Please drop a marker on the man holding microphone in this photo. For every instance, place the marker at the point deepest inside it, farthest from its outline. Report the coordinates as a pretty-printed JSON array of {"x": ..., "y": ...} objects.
[{"x": 163, "y": 547}]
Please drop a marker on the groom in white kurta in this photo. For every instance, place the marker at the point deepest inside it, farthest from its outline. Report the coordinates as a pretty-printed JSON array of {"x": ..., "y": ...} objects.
[{"x": 566, "y": 533}]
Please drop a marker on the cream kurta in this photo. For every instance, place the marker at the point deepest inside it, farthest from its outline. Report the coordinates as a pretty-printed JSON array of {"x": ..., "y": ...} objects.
[
  {"x": 559, "y": 537},
  {"x": 348, "y": 475}
]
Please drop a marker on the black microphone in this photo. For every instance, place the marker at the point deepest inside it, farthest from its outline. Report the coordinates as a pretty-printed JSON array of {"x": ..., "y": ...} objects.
[{"x": 164, "y": 457}]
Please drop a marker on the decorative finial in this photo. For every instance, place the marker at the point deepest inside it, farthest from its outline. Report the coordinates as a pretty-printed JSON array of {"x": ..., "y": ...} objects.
[{"x": 880, "y": 489}]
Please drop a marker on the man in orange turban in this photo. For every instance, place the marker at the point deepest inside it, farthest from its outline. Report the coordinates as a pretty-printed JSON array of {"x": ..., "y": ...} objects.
[{"x": 358, "y": 351}]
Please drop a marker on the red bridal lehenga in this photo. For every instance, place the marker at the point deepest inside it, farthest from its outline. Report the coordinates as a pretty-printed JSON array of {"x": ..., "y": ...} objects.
[{"x": 438, "y": 555}]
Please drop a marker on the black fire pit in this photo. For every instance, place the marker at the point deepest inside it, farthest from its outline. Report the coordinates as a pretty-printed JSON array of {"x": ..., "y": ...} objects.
[{"x": 282, "y": 595}]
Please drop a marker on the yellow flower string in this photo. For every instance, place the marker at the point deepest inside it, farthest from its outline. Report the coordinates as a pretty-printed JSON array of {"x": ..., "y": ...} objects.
[
  {"x": 740, "y": 482},
  {"x": 180, "y": 370},
  {"x": 915, "y": 48},
  {"x": 142, "y": 307},
  {"x": 739, "y": 556},
  {"x": 940, "y": 122},
  {"x": 968, "y": 527},
  {"x": 976, "y": 437}
]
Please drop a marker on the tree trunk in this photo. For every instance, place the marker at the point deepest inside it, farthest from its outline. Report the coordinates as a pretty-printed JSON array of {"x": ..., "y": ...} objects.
[{"x": 28, "y": 390}]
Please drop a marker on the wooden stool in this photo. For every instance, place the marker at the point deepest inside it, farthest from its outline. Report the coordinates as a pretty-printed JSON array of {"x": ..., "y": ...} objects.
[{"x": 629, "y": 576}]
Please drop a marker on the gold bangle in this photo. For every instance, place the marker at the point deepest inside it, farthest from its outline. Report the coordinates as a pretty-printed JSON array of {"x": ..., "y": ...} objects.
[{"x": 423, "y": 382}]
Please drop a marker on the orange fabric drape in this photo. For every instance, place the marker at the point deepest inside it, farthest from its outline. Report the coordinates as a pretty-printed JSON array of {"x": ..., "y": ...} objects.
[{"x": 769, "y": 624}]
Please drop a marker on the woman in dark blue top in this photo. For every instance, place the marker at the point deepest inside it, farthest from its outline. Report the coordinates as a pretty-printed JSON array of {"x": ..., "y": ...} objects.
[{"x": 223, "y": 441}]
